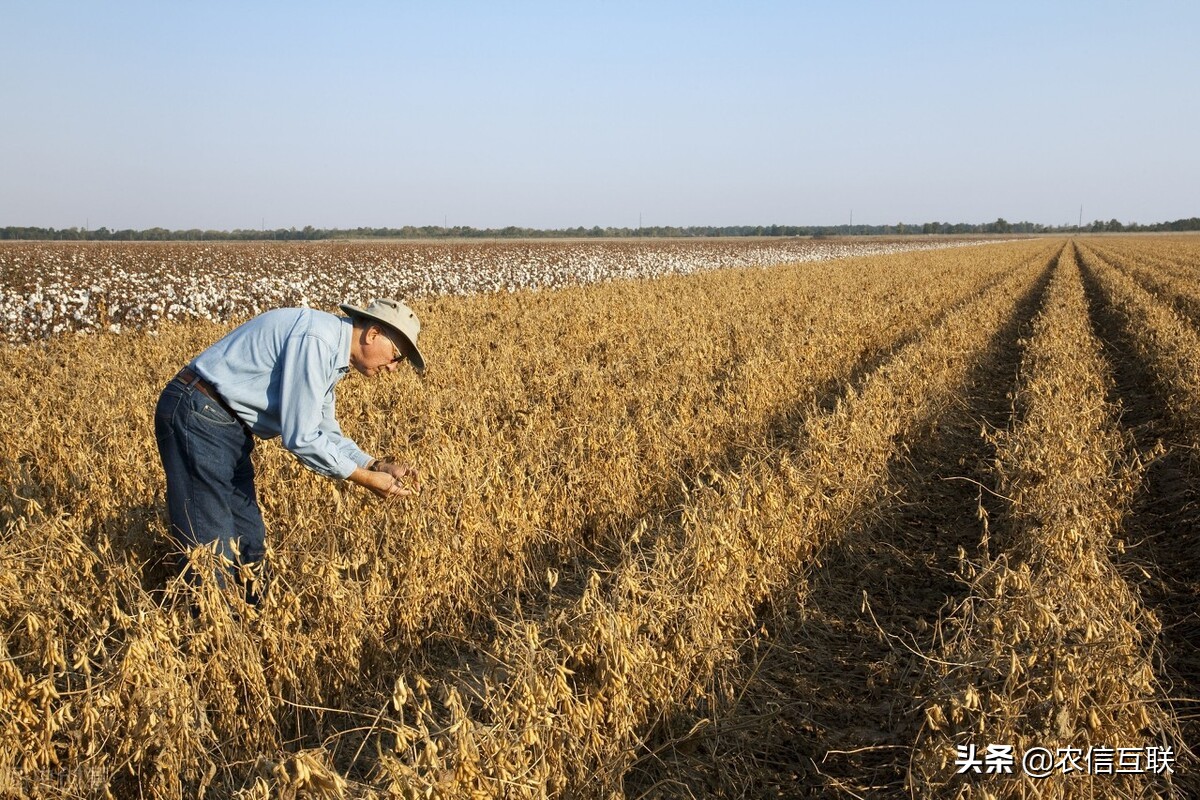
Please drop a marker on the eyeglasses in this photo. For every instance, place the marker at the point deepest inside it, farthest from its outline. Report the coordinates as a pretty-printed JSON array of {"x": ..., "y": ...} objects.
[{"x": 398, "y": 355}]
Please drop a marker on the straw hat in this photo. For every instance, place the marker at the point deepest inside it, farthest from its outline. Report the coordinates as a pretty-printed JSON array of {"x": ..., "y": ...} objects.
[{"x": 396, "y": 316}]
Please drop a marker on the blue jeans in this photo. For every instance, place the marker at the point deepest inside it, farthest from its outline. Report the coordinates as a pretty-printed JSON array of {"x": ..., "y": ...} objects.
[{"x": 210, "y": 479}]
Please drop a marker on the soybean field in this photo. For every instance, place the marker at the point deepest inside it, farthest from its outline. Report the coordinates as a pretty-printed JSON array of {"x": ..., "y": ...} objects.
[{"x": 800, "y": 519}]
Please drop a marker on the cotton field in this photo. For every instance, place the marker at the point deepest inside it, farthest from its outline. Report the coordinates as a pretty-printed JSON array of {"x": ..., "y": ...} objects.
[{"x": 49, "y": 288}]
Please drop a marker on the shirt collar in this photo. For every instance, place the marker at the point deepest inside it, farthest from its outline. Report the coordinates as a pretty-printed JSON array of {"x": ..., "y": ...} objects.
[{"x": 345, "y": 334}]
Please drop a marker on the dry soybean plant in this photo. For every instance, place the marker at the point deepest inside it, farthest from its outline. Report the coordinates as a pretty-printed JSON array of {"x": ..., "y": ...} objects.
[{"x": 1052, "y": 649}]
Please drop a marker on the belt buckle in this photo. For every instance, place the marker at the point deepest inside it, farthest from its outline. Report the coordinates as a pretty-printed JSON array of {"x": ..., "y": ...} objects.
[{"x": 195, "y": 379}]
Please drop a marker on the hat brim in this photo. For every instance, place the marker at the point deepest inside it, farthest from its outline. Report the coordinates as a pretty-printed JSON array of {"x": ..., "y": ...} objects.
[{"x": 418, "y": 360}]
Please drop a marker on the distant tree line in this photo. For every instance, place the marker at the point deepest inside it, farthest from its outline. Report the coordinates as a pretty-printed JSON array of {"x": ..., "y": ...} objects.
[{"x": 309, "y": 233}]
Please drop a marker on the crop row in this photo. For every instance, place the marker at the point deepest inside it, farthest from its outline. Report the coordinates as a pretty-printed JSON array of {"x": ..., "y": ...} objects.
[
  {"x": 1175, "y": 254},
  {"x": 1052, "y": 648},
  {"x": 603, "y": 416},
  {"x": 54, "y": 288},
  {"x": 1162, "y": 338},
  {"x": 1161, "y": 274}
]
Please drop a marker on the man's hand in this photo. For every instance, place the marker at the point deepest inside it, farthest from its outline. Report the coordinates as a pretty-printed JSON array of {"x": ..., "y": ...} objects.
[
  {"x": 401, "y": 471},
  {"x": 383, "y": 484}
]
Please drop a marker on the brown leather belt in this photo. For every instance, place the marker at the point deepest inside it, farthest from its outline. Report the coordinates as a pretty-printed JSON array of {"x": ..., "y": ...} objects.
[{"x": 189, "y": 378}]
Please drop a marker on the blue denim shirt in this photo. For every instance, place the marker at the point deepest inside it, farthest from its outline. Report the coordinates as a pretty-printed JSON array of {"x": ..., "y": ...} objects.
[{"x": 277, "y": 372}]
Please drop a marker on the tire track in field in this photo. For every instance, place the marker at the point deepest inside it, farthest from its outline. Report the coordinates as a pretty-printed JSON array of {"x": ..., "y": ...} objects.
[
  {"x": 824, "y": 701},
  {"x": 1162, "y": 552}
]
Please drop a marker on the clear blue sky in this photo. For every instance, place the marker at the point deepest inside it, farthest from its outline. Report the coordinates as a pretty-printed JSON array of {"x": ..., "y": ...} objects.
[{"x": 228, "y": 115}]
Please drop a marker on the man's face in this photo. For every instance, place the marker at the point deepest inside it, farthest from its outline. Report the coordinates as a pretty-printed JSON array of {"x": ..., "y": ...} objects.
[{"x": 378, "y": 351}]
